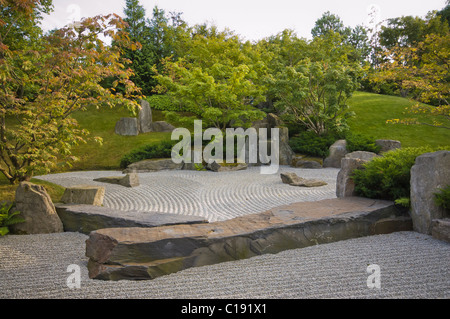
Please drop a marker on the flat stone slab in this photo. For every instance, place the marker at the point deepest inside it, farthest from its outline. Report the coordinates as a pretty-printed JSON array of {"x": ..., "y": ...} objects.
[
  {"x": 146, "y": 253},
  {"x": 87, "y": 218}
]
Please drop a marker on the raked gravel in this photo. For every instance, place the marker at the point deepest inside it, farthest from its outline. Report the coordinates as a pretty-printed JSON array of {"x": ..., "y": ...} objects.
[{"x": 412, "y": 265}]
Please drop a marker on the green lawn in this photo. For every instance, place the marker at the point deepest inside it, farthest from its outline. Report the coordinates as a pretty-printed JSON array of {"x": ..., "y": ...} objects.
[
  {"x": 373, "y": 110},
  {"x": 101, "y": 123}
]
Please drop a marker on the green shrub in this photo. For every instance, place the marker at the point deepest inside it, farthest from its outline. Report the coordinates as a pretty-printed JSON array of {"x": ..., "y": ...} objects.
[
  {"x": 161, "y": 149},
  {"x": 162, "y": 103},
  {"x": 309, "y": 143},
  {"x": 358, "y": 142},
  {"x": 442, "y": 198},
  {"x": 388, "y": 177},
  {"x": 8, "y": 218}
]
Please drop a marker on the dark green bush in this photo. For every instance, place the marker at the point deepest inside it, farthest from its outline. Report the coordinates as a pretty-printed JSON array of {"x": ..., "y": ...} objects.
[
  {"x": 161, "y": 149},
  {"x": 388, "y": 177},
  {"x": 442, "y": 198},
  {"x": 358, "y": 142},
  {"x": 309, "y": 143}
]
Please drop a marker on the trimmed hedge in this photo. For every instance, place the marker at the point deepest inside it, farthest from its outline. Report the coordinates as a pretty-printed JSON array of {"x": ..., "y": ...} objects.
[{"x": 388, "y": 177}]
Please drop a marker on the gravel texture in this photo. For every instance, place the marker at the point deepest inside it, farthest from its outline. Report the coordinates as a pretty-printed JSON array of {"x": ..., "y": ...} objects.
[
  {"x": 412, "y": 265},
  {"x": 213, "y": 196}
]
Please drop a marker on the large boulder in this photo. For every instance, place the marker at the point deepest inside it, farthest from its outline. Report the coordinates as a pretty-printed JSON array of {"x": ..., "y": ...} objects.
[
  {"x": 127, "y": 126},
  {"x": 145, "y": 117},
  {"x": 388, "y": 145},
  {"x": 337, "y": 152},
  {"x": 345, "y": 186},
  {"x": 430, "y": 172},
  {"x": 84, "y": 194},
  {"x": 36, "y": 207},
  {"x": 153, "y": 165}
]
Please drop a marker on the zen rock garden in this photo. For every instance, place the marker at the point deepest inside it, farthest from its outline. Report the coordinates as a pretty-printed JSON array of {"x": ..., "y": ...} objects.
[{"x": 136, "y": 245}]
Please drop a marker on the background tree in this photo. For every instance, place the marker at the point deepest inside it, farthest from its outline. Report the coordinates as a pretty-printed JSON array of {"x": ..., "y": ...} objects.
[
  {"x": 313, "y": 88},
  {"x": 217, "y": 79},
  {"x": 43, "y": 84}
]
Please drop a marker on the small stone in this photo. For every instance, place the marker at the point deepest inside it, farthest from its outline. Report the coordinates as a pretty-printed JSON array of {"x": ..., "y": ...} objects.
[
  {"x": 129, "y": 180},
  {"x": 84, "y": 194},
  {"x": 294, "y": 180}
]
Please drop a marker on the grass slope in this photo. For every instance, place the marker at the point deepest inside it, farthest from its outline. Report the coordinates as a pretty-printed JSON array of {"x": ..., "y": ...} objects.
[{"x": 373, "y": 110}]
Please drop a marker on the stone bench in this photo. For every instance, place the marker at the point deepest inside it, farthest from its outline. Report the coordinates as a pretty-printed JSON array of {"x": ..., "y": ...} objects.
[{"x": 146, "y": 253}]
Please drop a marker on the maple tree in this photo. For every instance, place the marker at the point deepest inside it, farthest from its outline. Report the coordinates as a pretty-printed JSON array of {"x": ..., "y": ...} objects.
[{"x": 45, "y": 79}]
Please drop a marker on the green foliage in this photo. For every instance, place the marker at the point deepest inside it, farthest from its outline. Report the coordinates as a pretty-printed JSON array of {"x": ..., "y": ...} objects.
[
  {"x": 359, "y": 142},
  {"x": 8, "y": 218},
  {"x": 309, "y": 143},
  {"x": 442, "y": 198},
  {"x": 162, "y": 149},
  {"x": 313, "y": 81},
  {"x": 218, "y": 80},
  {"x": 404, "y": 201},
  {"x": 388, "y": 177},
  {"x": 162, "y": 103}
]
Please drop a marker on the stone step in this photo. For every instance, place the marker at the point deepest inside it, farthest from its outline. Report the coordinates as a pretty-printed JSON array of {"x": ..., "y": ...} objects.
[
  {"x": 146, "y": 253},
  {"x": 87, "y": 218}
]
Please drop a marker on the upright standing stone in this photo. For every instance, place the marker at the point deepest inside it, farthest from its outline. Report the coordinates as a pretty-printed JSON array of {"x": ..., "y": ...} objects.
[
  {"x": 145, "y": 117},
  {"x": 337, "y": 152},
  {"x": 345, "y": 186},
  {"x": 286, "y": 152},
  {"x": 430, "y": 172},
  {"x": 36, "y": 207},
  {"x": 127, "y": 126}
]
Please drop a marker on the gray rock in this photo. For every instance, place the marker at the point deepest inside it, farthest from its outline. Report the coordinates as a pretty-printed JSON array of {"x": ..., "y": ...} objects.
[
  {"x": 152, "y": 165},
  {"x": 129, "y": 180},
  {"x": 294, "y": 180},
  {"x": 146, "y": 253},
  {"x": 161, "y": 126},
  {"x": 345, "y": 186},
  {"x": 87, "y": 218},
  {"x": 440, "y": 229},
  {"x": 127, "y": 126},
  {"x": 216, "y": 167},
  {"x": 274, "y": 121},
  {"x": 337, "y": 152},
  {"x": 388, "y": 145},
  {"x": 145, "y": 117},
  {"x": 286, "y": 152},
  {"x": 36, "y": 207},
  {"x": 84, "y": 194},
  {"x": 307, "y": 164},
  {"x": 430, "y": 172}
]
